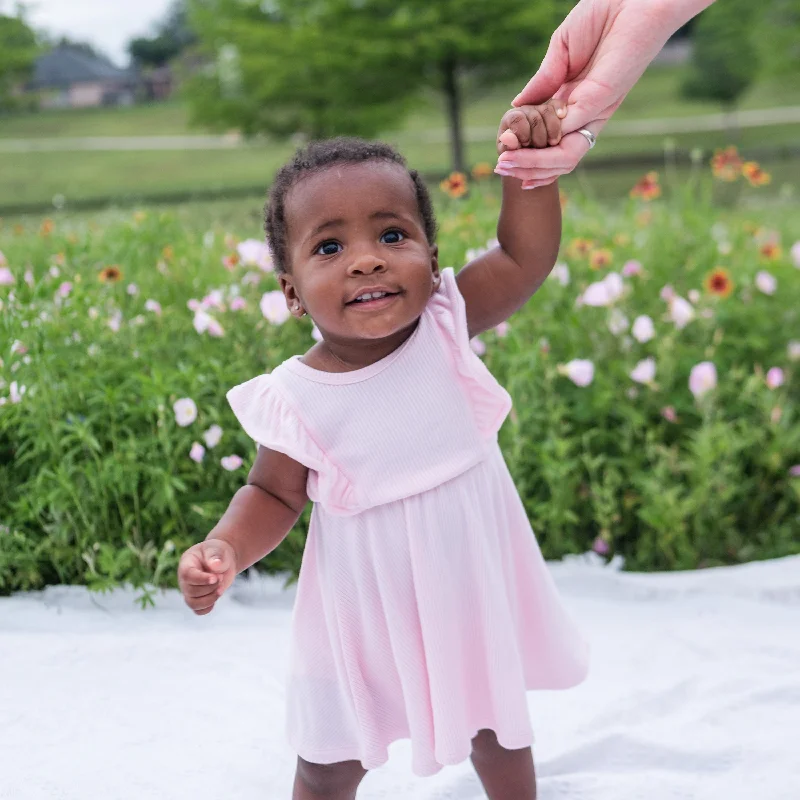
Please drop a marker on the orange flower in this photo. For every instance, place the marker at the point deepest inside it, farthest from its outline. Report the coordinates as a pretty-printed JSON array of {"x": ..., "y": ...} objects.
[
  {"x": 47, "y": 227},
  {"x": 482, "y": 170},
  {"x": 580, "y": 247},
  {"x": 599, "y": 259},
  {"x": 718, "y": 282},
  {"x": 110, "y": 274},
  {"x": 455, "y": 184},
  {"x": 168, "y": 253},
  {"x": 727, "y": 164},
  {"x": 139, "y": 216},
  {"x": 770, "y": 251},
  {"x": 754, "y": 174},
  {"x": 647, "y": 188}
]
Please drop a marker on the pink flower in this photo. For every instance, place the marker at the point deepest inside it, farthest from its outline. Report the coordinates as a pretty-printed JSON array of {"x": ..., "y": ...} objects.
[
  {"x": 214, "y": 328},
  {"x": 18, "y": 347},
  {"x": 643, "y": 329},
  {"x": 600, "y": 546},
  {"x": 478, "y": 346},
  {"x": 603, "y": 293},
  {"x": 231, "y": 463},
  {"x": 794, "y": 252},
  {"x": 193, "y": 305},
  {"x": 502, "y": 329},
  {"x": 255, "y": 253},
  {"x": 6, "y": 277},
  {"x": 561, "y": 273},
  {"x": 667, "y": 293},
  {"x": 115, "y": 321},
  {"x": 795, "y": 471},
  {"x": 133, "y": 289},
  {"x": 197, "y": 452},
  {"x": 774, "y": 378},
  {"x": 617, "y": 322},
  {"x": 29, "y": 277},
  {"x": 54, "y": 272},
  {"x": 668, "y": 412},
  {"x": 201, "y": 321},
  {"x": 702, "y": 378},
  {"x": 154, "y": 306},
  {"x": 580, "y": 371},
  {"x": 64, "y": 289},
  {"x": 185, "y": 411},
  {"x": 694, "y": 296},
  {"x": 680, "y": 312},
  {"x": 16, "y": 392},
  {"x": 274, "y": 308},
  {"x": 212, "y": 436},
  {"x": 238, "y": 303},
  {"x": 765, "y": 282},
  {"x": 631, "y": 268},
  {"x": 644, "y": 371}
]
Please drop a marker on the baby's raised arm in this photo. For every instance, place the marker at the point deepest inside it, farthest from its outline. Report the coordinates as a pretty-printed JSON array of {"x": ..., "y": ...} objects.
[
  {"x": 259, "y": 517},
  {"x": 500, "y": 282}
]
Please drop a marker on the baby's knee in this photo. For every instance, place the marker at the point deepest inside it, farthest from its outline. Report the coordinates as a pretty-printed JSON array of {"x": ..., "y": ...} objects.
[{"x": 334, "y": 780}]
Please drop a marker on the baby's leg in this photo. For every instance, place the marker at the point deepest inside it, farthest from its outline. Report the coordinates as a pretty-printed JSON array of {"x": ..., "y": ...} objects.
[
  {"x": 505, "y": 774},
  {"x": 328, "y": 781}
]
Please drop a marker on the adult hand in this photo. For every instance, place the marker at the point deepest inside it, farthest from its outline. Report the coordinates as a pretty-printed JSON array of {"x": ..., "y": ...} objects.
[{"x": 595, "y": 57}]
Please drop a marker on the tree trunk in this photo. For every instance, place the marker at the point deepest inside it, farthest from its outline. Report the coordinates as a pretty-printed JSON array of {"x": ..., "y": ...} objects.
[{"x": 452, "y": 93}]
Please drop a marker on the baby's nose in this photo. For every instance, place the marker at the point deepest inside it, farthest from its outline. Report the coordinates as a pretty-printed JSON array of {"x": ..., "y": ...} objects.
[{"x": 366, "y": 264}]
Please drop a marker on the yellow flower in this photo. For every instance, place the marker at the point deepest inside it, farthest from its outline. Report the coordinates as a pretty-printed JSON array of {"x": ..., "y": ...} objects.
[
  {"x": 110, "y": 274},
  {"x": 579, "y": 247},
  {"x": 455, "y": 185},
  {"x": 482, "y": 170},
  {"x": 754, "y": 174},
  {"x": 718, "y": 282},
  {"x": 770, "y": 251},
  {"x": 727, "y": 164},
  {"x": 647, "y": 188},
  {"x": 622, "y": 239},
  {"x": 599, "y": 259}
]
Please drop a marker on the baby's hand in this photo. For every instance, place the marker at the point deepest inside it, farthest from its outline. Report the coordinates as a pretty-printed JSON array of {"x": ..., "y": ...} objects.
[
  {"x": 531, "y": 126},
  {"x": 205, "y": 571}
]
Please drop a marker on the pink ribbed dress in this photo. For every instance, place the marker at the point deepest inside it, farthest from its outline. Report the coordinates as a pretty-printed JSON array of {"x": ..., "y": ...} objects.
[{"x": 424, "y": 608}]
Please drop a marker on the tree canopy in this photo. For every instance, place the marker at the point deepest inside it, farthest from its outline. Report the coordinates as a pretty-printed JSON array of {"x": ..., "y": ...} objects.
[{"x": 18, "y": 52}]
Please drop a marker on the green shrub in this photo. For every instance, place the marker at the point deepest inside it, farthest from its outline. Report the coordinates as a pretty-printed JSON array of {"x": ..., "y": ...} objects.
[{"x": 97, "y": 486}]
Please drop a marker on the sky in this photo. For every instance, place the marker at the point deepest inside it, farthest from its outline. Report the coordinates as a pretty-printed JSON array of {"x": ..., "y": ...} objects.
[{"x": 107, "y": 24}]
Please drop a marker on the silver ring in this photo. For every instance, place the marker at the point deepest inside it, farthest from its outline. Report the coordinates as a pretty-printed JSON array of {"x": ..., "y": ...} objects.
[{"x": 590, "y": 137}]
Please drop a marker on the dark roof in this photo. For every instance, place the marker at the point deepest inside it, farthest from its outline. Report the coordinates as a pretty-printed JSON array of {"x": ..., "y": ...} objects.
[{"x": 65, "y": 65}]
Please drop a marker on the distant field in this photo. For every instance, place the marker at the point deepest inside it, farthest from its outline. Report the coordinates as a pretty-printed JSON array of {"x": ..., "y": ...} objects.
[{"x": 124, "y": 177}]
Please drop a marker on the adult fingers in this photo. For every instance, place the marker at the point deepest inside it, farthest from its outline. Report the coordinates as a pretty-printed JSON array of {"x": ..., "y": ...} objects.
[
  {"x": 550, "y": 76},
  {"x": 562, "y": 158}
]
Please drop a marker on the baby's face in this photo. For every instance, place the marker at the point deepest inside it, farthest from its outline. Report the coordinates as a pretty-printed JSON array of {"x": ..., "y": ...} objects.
[{"x": 355, "y": 229}]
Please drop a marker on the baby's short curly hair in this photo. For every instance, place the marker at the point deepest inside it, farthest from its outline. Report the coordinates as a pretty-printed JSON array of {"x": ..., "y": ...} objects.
[{"x": 321, "y": 155}]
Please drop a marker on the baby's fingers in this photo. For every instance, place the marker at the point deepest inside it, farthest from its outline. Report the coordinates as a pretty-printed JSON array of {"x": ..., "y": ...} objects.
[
  {"x": 514, "y": 124},
  {"x": 552, "y": 121}
]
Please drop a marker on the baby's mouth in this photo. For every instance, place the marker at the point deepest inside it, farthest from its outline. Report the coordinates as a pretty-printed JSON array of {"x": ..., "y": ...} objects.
[{"x": 369, "y": 298}]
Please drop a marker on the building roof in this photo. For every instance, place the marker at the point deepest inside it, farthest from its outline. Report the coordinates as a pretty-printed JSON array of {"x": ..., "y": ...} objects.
[{"x": 65, "y": 65}]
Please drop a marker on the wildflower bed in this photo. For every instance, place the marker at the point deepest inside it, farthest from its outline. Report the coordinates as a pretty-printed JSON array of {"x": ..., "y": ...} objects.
[{"x": 654, "y": 380}]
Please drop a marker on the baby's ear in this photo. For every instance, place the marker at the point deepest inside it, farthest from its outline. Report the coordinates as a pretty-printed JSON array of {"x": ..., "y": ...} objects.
[
  {"x": 293, "y": 302},
  {"x": 435, "y": 265}
]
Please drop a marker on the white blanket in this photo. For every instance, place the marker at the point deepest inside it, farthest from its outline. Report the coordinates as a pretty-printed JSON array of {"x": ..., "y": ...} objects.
[{"x": 694, "y": 693}]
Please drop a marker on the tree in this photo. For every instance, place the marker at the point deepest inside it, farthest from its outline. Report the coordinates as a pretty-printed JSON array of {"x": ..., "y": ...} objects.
[
  {"x": 172, "y": 36},
  {"x": 18, "y": 52},
  {"x": 779, "y": 36},
  {"x": 724, "y": 56},
  {"x": 327, "y": 67}
]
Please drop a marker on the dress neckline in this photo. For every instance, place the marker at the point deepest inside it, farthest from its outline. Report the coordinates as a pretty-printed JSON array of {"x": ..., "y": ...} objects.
[{"x": 353, "y": 376}]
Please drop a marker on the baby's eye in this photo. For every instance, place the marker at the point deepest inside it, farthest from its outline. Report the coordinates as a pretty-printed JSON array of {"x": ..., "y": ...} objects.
[
  {"x": 329, "y": 248},
  {"x": 393, "y": 237}
]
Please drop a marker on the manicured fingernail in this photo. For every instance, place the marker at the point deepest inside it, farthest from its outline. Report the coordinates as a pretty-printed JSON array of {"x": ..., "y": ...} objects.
[
  {"x": 535, "y": 186},
  {"x": 505, "y": 172},
  {"x": 516, "y": 99},
  {"x": 212, "y": 579},
  {"x": 507, "y": 164}
]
